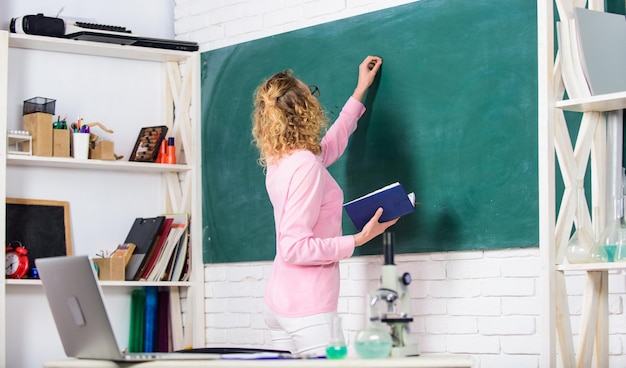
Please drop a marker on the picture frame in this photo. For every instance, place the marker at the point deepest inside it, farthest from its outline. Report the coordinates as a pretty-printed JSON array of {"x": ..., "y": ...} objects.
[
  {"x": 41, "y": 226},
  {"x": 147, "y": 146}
]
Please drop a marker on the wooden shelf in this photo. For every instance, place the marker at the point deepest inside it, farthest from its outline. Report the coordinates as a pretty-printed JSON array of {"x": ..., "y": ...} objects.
[
  {"x": 178, "y": 184},
  {"x": 71, "y": 163},
  {"x": 610, "y": 266},
  {"x": 95, "y": 48},
  {"x": 608, "y": 102},
  {"x": 130, "y": 284},
  {"x": 145, "y": 283},
  {"x": 587, "y": 151}
]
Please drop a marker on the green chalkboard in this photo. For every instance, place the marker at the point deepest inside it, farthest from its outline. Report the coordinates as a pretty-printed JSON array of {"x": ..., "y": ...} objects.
[{"x": 452, "y": 116}]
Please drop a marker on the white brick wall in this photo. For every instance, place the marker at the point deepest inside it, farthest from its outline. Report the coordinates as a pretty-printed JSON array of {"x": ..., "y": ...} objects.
[
  {"x": 458, "y": 305},
  {"x": 214, "y": 24},
  {"x": 483, "y": 303}
]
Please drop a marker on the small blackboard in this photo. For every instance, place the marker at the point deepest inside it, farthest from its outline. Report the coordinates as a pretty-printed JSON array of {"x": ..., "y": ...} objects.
[{"x": 42, "y": 226}]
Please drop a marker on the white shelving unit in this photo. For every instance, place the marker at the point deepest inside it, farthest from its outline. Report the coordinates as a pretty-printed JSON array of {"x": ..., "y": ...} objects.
[
  {"x": 162, "y": 89},
  {"x": 590, "y": 148}
]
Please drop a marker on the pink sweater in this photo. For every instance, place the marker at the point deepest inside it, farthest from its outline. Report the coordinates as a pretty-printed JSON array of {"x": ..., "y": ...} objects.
[{"x": 307, "y": 212}]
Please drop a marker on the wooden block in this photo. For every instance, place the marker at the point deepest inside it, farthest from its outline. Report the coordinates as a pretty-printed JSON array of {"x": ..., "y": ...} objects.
[
  {"x": 102, "y": 151},
  {"x": 110, "y": 269},
  {"x": 39, "y": 125},
  {"x": 60, "y": 142}
]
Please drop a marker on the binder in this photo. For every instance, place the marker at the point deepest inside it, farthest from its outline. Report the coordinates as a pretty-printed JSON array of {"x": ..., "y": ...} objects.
[
  {"x": 167, "y": 252},
  {"x": 137, "y": 321},
  {"x": 142, "y": 234},
  {"x": 163, "y": 337},
  {"x": 176, "y": 272},
  {"x": 155, "y": 250},
  {"x": 150, "y": 327}
]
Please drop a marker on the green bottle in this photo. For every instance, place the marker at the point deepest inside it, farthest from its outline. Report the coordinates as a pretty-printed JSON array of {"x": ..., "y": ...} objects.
[{"x": 336, "y": 348}]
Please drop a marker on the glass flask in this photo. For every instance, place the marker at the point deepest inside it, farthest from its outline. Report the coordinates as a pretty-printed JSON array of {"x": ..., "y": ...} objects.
[
  {"x": 580, "y": 244},
  {"x": 336, "y": 348},
  {"x": 599, "y": 254},
  {"x": 620, "y": 252},
  {"x": 373, "y": 341},
  {"x": 611, "y": 237}
]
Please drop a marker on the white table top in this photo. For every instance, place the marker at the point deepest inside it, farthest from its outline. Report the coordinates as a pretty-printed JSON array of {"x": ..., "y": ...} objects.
[{"x": 425, "y": 361}]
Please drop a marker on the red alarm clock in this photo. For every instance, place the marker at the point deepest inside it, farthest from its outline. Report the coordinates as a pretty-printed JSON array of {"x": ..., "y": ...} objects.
[{"x": 16, "y": 261}]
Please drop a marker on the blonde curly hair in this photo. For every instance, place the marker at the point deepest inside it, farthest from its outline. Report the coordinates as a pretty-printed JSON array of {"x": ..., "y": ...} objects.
[{"x": 286, "y": 117}]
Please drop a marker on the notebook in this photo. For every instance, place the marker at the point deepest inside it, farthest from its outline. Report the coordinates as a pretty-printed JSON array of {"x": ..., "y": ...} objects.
[{"x": 75, "y": 299}]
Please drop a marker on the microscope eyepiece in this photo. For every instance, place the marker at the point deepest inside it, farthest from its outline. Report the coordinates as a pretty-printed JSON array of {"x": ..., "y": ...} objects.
[{"x": 388, "y": 245}]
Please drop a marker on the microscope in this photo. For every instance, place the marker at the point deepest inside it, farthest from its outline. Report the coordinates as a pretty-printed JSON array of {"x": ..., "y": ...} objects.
[{"x": 394, "y": 292}]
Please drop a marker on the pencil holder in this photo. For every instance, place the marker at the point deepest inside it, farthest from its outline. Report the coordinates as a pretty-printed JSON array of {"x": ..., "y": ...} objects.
[
  {"x": 80, "y": 146},
  {"x": 110, "y": 269}
]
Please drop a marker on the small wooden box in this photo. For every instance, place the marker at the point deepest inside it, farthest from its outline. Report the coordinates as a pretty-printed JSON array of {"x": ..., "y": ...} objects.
[
  {"x": 110, "y": 269},
  {"x": 39, "y": 125},
  {"x": 102, "y": 151},
  {"x": 60, "y": 142}
]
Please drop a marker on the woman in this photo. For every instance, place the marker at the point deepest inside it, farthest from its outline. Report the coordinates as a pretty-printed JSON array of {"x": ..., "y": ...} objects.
[{"x": 303, "y": 289}]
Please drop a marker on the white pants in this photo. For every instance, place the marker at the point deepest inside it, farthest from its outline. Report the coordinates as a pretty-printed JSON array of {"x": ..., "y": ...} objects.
[{"x": 300, "y": 335}]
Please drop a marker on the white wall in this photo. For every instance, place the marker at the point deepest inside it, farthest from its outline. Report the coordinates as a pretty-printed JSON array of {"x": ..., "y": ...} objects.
[
  {"x": 75, "y": 81},
  {"x": 483, "y": 303},
  {"x": 150, "y": 18}
]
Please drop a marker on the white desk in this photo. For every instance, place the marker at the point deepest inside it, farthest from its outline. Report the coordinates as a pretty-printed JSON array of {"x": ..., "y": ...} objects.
[{"x": 427, "y": 361}]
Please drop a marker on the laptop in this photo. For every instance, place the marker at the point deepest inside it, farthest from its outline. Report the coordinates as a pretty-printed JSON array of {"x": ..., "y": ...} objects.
[
  {"x": 126, "y": 39},
  {"x": 75, "y": 299}
]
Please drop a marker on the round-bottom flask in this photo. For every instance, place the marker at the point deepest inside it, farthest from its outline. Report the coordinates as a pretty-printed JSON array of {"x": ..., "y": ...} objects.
[
  {"x": 578, "y": 248},
  {"x": 374, "y": 341}
]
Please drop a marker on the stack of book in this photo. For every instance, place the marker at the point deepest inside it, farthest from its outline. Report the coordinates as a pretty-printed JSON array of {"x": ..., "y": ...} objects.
[
  {"x": 161, "y": 249},
  {"x": 156, "y": 321},
  {"x": 161, "y": 253}
]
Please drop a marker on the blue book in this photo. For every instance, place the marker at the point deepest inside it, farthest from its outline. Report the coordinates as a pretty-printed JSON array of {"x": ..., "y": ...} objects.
[
  {"x": 151, "y": 319},
  {"x": 393, "y": 199}
]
